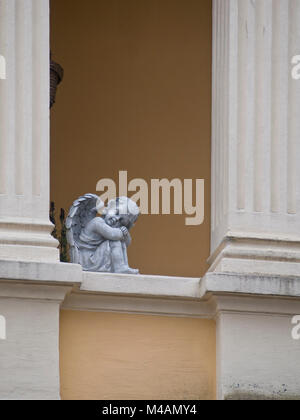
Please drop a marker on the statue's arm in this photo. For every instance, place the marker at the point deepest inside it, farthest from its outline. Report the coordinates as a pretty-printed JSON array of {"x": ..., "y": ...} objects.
[
  {"x": 113, "y": 234},
  {"x": 127, "y": 237}
]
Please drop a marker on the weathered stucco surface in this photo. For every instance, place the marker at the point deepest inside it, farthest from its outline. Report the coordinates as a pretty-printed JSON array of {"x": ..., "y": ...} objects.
[{"x": 122, "y": 356}]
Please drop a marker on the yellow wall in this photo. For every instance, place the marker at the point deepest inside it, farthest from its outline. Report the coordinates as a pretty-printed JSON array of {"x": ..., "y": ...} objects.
[
  {"x": 136, "y": 96},
  {"x": 123, "y": 356}
]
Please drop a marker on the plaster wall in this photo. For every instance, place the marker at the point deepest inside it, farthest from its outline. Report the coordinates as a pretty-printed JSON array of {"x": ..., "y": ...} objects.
[
  {"x": 126, "y": 356},
  {"x": 136, "y": 96}
]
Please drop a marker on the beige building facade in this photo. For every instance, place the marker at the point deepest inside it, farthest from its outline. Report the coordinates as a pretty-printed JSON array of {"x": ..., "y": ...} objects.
[{"x": 189, "y": 329}]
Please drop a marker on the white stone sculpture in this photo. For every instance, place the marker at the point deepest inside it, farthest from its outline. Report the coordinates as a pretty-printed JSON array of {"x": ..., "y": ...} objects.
[{"x": 99, "y": 243}]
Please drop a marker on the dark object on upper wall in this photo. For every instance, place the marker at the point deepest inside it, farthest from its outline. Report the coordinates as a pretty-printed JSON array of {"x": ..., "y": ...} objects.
[
  {"x": 59, "y": 232},
  {"x": 56, "y": 76}
]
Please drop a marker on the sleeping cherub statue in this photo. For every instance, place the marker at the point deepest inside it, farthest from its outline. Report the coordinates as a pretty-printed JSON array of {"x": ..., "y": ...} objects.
[{"x": 99, "y": 243}]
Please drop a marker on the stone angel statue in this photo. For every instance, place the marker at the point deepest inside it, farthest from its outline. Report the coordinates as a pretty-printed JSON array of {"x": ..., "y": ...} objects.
[{"x": 99, "y": 243}]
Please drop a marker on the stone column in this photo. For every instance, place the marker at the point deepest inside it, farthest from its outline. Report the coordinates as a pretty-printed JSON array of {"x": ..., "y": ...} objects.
[
  {"x": 255, "y": 238},
  {"x": 24, "y": 133},
  {"x": 255, "y": 137}
]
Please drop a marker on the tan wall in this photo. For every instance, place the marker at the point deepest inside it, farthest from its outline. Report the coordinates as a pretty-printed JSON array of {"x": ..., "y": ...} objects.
[
  {"x": 136, "y": 97},
  {"x": 122, "y": 356}
]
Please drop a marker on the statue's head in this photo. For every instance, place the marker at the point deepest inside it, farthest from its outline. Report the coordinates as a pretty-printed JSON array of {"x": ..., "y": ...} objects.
[{"x": 121, "y": 211}]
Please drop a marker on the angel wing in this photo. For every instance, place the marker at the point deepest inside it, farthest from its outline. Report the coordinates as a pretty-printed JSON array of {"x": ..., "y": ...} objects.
[{"x": 82, "y": 211}]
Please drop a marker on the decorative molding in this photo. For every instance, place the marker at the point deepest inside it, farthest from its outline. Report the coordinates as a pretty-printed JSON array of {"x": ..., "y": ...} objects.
[
  {"x": 190, "y": 297},
  {"x": 42, "y": 292},
  {"x": 142, "y": 294},
  {"x": 96, "y": 302},
  {"x": 251, "y": 284}
]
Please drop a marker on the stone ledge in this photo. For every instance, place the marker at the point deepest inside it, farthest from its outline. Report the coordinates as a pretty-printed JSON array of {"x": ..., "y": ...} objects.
[
  {"x": 181, "y": 296},
  {"x": 177, "y": 296},
  {"x": 142, "y": 285},
  {"x": 61, "y": 273},
  {"x": 250, "y": 284},
  {"x": 191, "y": 288}
]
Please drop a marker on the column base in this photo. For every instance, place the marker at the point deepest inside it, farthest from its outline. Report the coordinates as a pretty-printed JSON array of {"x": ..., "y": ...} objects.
[
  {"x": 257, "y": 358},
  {"x": 257, "y": 349},
  {"x": 257, "y": 254},
  {"x": 23, "y": 240}
]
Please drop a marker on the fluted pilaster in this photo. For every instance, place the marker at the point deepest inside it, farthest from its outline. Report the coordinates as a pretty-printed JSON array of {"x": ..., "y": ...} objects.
[
  {"x": 255, "y": 137},
  {"x": 24, "y": 132}
]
